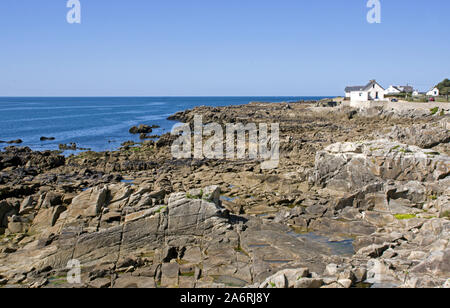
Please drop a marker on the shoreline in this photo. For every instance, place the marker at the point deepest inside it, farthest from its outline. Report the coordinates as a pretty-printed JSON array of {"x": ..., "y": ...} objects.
[
  {"x": 384, "y": 105},
  {"x": 96, "y": 128}
]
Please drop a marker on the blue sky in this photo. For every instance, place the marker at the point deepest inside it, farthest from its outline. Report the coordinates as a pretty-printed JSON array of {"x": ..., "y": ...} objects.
[{"x": 218, "y": 47}]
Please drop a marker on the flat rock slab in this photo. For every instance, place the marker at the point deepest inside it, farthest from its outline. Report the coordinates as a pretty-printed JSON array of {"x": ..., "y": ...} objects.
[
  {"x": 273, "y": 246},
  {"x": 130, "y": 282}
]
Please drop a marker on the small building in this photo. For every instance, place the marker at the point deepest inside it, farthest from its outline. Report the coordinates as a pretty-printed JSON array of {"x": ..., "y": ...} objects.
[
  {"x": 392, "y": 90},
  {"x": 370, "y": 92},
  {"x": 406, "y": 89},
  {"x": 433, "y": 92}
]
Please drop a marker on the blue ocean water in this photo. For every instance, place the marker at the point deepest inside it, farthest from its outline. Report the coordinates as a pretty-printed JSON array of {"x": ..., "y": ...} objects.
[{"x": 98, "y": 123}]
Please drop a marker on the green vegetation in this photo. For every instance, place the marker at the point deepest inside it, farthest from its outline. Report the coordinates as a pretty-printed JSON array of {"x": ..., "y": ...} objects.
[
  {"x": 272, "y": 284},
  {"x": 405, "y": 216},
  {"x": 398, "y": 95},
  {"x": 57, "y": 280},
  {"x": 300, "y": 230},
  {"x": 190, "y": 274},
  {"x": 444, "y": 87},
  {"x": 405, "y": 150},
  {"x": 294, "y": 205},
  {"x": 434, "y": 110},
  {"x": 363, "y": 285},
  {"x": 446, "y": 214},
  {"x": 400, "y": 149},
  {"x": 160, "y": 209},
  {"x": 182, "y": 262},
  {"x": 239, "y": 249},
  {"x": 149, "y": 254},
  {"x": 199, "y": 196}
]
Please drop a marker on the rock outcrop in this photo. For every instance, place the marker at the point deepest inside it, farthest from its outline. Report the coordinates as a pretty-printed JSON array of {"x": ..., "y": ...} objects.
[
  {"x": 425, "y": 136},
  {"x": 351, "y": 166}
]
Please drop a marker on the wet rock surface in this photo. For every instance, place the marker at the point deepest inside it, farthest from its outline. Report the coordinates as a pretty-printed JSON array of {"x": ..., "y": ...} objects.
[{"x": 360, "y": 198}]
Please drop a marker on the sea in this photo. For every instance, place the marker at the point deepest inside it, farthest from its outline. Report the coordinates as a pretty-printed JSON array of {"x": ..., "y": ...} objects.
[{"x": 99, "y": 123}]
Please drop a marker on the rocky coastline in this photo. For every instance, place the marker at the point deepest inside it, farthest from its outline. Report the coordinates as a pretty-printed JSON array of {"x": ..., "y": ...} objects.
[{"x": 361, "y": 198}]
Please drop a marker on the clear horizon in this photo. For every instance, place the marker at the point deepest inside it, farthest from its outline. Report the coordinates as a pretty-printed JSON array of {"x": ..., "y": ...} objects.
[
  {"x": 169, "y": 96},
  {"x": 202, "y": 48}
]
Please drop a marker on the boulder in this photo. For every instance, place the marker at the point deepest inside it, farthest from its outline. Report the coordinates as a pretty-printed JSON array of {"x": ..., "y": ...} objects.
[
  {"x": 27, "y": 205},
  {"x": 43, "y": 138},
  {"x": 89, "y": 203},
  {"x": 308, "y": 283},
  {"x": 285, "y": 278},
  {"x": 278, "y": 280},
  {"x": 141, "y": 129},
  {"x": 100, "y": 283},
  {"x": 6, "y": 210}
]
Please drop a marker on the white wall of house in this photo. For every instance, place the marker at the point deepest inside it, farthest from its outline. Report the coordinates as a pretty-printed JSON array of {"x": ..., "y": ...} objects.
[
  {"x": 347, "y": 94},
  {"x": 359, "y": 96},
  {"x": 392, "y": 90},
  {"x": 376, "y": 92},
  {"x": 433, "y": 92}
]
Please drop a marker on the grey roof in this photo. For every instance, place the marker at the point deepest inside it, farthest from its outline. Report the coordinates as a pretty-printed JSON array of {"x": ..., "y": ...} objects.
[
  {"x": 354, "y": 88},
  {"x": 362, "y": 88},
  {"x": 407, "y": 89}
]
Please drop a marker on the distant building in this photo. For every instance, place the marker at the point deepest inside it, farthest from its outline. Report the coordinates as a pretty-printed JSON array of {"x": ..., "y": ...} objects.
[
  {"x": 370, "y": 92},
  {"x": 392, "y": 90},
  {"x": 406, "y": 89},
  {"x": 433, "y": 92}
]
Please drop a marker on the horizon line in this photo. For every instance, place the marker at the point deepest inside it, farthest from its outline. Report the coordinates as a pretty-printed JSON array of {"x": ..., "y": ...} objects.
[{"x": 160, "y": 96}]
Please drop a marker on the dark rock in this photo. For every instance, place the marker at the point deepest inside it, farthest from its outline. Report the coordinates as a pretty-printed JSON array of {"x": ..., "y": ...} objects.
[
  {"x": 66, "y": 147},
  {"x": 141, "y": 129}
]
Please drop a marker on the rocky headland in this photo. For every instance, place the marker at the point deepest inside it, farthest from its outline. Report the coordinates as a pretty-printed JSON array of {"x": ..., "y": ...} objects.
[{"x": 361, "y": 198}]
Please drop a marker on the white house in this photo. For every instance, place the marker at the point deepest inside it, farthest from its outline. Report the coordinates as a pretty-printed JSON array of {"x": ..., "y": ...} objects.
[
  {"x": 370, "y": 92},
  {"x": 433, "y": 92},
  {"x": 392, "y": 90},
  {"x": 398, "y": 89}
]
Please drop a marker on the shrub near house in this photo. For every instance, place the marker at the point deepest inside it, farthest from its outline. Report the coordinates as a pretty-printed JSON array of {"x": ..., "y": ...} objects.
[{"x": 444, "y": 87}]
